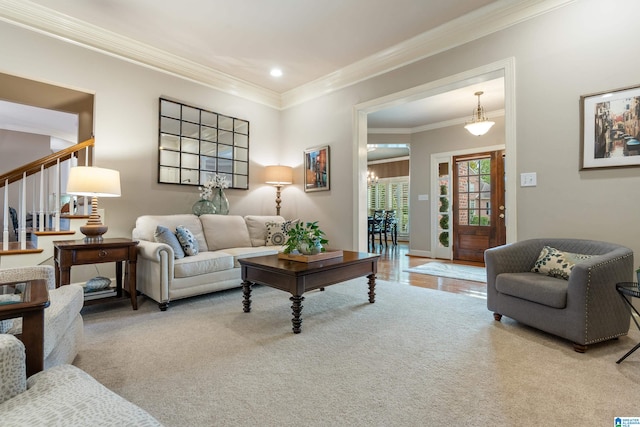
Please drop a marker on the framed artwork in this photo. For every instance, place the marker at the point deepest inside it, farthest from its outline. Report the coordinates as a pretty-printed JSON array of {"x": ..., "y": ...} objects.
[
  {"x": 610, "y": 129},
  {"x": 316, "y": 169}
]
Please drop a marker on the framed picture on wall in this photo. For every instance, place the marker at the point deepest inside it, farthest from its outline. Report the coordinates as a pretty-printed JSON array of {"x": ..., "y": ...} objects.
[
  {"x": 610, "y": 129},
  {"x": 316, "y": 169}
]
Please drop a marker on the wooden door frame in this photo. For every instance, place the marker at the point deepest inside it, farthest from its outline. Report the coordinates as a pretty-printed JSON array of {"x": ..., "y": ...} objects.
[
  {"x": 435, "y": 190},
  {"x": 495, "y": 232}
]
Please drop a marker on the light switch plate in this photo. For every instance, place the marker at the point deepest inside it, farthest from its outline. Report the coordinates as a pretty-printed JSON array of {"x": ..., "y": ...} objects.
[
  {"x": 528, "y": 179},
  {"x": 423, "y": 197}
]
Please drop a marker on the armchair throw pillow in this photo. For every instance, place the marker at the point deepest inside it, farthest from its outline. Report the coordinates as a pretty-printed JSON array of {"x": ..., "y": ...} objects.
[{"x": 556, "y": 263}]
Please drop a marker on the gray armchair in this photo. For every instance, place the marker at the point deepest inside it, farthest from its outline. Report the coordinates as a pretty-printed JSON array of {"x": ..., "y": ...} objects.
[{"x": 584, "y": 309}]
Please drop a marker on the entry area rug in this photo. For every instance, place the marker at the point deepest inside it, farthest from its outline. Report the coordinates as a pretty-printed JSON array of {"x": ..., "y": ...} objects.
[
  {"x": 416, "y": 357},
  {"x": 454, "y": 271}
]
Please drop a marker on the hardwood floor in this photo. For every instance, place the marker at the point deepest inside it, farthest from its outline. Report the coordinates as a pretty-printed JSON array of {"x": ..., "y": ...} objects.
[{"x": 394, "y": 259}]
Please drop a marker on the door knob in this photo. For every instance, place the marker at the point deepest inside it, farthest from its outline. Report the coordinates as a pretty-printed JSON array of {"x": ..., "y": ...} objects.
[
  {"x": 501, "y": 215},
  {"x": 501, "y": 208}
]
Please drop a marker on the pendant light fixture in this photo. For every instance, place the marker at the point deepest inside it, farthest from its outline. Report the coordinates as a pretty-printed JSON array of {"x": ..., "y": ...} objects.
[{"x": 479, "y": 124}]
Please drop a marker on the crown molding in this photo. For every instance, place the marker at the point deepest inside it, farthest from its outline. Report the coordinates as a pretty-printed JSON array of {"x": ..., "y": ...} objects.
[
  {"x": 482, "y": 22},
  {"x": 54, "y": 24}
]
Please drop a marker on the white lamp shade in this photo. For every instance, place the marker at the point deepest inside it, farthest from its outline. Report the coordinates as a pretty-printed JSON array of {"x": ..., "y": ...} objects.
[
  {"x": 93, "y": 181},
  {"x": 279, "y": 175},
  {"x": 479, "y": 128}
]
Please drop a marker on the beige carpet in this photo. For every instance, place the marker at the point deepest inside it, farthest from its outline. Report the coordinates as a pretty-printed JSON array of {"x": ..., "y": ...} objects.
[
  {"x": 417, "y": 357},
  {"x": 454, "y": 271}
]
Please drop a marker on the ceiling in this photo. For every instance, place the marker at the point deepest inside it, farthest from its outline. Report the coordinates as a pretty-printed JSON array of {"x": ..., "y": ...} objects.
[
  {"x": 313, "y": 42},
  {"x": 307, "y": 39}
]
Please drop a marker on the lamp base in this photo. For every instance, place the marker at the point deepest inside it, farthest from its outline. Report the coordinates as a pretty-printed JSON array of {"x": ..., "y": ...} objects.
[{"x": 93, "y": 232}]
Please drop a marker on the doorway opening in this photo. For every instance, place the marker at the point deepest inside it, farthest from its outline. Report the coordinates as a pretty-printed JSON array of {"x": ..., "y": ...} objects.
[{"x": 505, "y": 69}]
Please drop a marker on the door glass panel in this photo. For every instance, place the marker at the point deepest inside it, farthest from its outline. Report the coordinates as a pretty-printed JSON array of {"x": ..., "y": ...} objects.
[
  {"x": 474, "y": 192},
  {"x": 444, "y": 209}
]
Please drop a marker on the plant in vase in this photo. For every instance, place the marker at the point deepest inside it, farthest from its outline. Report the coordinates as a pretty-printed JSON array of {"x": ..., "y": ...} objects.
[
  {"x": 305, "y": 238},
  {"x": 212, "y": 197}
]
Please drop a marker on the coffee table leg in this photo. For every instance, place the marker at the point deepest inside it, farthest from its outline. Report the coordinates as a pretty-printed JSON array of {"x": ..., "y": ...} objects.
[
  {"x": 372, "y": 286},
  {"x": 246, "y": 292},
  {"x": 296, "y": 308}
]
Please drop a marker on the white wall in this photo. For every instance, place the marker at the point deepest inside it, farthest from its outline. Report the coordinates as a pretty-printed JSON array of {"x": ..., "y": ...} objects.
[
  {"x": 126, "y": 124},
  {"x": 579, "y": 49},
  {"x": 558, "y": 57}
]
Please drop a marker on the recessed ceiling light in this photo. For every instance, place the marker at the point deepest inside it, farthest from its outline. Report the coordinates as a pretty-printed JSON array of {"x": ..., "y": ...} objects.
[{"x": 276, "y": 72}]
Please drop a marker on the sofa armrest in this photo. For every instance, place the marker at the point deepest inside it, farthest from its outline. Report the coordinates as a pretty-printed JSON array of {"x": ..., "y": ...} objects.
[
  {"x": 155, "y": 270},
  {"x": 154, "y": 251},
  {"x": 13, "y": 380}
]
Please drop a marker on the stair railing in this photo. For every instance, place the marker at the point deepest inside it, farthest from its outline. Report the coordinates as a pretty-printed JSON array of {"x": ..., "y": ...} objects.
[{"x": 46, "y": 172}]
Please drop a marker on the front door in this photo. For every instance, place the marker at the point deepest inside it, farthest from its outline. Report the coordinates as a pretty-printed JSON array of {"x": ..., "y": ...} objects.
[{"x": 478, "y": 204}]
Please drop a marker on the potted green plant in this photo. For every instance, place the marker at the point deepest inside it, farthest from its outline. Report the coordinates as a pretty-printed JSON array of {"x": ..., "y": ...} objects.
[{"x": 305, "y": 238}]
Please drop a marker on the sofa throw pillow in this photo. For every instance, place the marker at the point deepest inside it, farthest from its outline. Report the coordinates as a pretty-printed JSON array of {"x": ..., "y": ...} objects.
[
  {"x": 277, "y": 232},
  {"x": 556, "y": 263},
  {"x": 164, "y": 235},
  {"x": 187, "y": 240}
]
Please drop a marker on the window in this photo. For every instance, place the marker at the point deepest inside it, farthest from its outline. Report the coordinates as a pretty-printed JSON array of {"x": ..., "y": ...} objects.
[{"x": 391, "y": 194}]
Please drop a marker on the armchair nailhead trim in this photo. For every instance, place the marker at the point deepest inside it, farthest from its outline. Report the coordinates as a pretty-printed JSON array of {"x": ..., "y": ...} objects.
[{"x": 586, "y": 309}]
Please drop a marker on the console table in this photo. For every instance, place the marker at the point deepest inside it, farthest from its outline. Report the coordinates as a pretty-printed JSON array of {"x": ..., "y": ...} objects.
[
  {"x": 67, "y": 253},
  {"x": 32, "y": 297}
]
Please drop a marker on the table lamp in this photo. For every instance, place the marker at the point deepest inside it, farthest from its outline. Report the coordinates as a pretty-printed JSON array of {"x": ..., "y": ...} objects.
[
  {"x": 279, "y": 176},
  {"x": 90, "y": 181}
]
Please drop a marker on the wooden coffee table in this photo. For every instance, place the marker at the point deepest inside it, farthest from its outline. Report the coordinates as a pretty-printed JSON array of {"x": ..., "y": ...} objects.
[{"x": 299, "y": 277}]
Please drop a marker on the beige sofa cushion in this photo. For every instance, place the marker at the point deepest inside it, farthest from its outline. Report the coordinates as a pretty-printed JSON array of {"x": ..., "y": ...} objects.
[
  {"x": 202, "y": 263},
  {"x": 258, "y": 229},
  {"x": 146, "y": 226},
  {"x": 225, "y": 231}
]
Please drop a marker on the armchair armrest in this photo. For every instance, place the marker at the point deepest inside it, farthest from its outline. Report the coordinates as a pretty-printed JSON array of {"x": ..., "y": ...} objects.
[
  {"x": 37, "y": 272},
  {"x": 13, "y": 380},
  {"x": 592, "y": 292},
  {"x": 515, "y": 257}
]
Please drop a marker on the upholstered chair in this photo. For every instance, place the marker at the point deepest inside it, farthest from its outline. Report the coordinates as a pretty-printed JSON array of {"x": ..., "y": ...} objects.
[
  {"x": 63, "y": 395},
  {"x": 584, "y": 307},
  {"x": 63, "y": 326}
]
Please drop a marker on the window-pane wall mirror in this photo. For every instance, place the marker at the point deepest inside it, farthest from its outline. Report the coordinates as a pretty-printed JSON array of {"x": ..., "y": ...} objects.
[{"x": 194, "y": 144}]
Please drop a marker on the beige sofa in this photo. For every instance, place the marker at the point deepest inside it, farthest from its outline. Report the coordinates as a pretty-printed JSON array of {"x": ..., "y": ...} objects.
[{"x": 222, "y": 240}]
